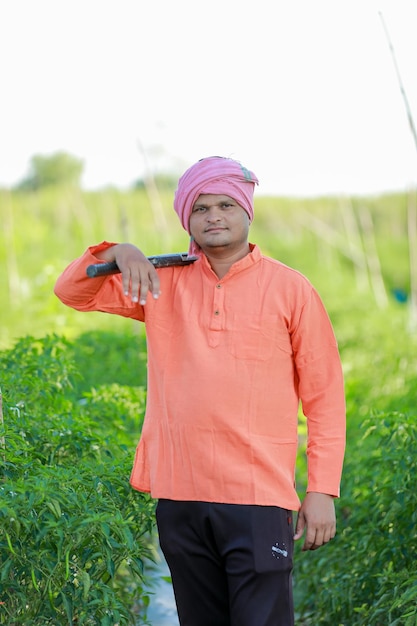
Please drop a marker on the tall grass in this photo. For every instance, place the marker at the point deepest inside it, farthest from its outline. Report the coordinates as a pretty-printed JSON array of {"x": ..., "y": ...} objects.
[{"x": 43, "y": 231}]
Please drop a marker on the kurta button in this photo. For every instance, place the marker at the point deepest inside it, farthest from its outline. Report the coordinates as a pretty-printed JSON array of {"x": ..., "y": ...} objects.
[
  {"x": 218, "y": 286},
  {"x": 216, "y": 312}
]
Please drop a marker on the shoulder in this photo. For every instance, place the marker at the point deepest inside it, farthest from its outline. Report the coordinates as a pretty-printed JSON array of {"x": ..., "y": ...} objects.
[{"x": 284, "y": 272}]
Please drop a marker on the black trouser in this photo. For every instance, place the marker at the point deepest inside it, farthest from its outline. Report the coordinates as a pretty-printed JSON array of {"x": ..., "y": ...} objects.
[{"x": 230, "y": 564}]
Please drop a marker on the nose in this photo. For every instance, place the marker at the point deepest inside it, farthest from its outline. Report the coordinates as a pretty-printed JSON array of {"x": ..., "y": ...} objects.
[{"x": 213, "y": 214}]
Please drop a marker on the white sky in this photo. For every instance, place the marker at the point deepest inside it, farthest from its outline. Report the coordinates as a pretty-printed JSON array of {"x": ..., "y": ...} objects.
[{"x": 303, "y": 92}]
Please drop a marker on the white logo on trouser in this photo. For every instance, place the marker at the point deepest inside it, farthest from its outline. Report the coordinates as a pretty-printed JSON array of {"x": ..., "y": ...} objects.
[{"x": 278, "y": 552}]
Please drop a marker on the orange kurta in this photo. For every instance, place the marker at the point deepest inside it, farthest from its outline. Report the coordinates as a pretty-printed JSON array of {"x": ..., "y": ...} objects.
[{"x": 228, "y": 362}]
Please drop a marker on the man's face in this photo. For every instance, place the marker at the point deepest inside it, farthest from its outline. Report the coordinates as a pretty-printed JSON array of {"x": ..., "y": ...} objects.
[{"x": 217, "y": 221}]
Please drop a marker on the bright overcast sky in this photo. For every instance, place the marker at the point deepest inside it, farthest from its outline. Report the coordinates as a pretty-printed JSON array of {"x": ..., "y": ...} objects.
[{"x": 304, "y": 92}]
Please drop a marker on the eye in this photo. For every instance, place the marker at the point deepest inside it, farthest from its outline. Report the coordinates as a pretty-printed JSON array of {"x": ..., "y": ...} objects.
[
  {"x": 226, "y": 205},
  {"x": 199, "y": 209}
]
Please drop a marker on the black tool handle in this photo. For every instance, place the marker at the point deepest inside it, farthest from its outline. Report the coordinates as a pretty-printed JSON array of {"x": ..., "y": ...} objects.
[
  {"x": 103, "y": 269},
  {"x": 159, "y": 260}
]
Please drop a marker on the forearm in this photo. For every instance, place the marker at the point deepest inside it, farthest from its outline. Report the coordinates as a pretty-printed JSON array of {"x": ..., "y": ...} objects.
[
  {"x": 119, "y": 294},
  {"x": 74, "y": 288}
]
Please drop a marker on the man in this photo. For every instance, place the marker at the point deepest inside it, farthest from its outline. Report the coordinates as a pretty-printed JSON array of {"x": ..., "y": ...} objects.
[{"x": 235, "y": 341}]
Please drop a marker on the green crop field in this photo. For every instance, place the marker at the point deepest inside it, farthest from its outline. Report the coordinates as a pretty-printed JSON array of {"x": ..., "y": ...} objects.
[{"x": 73, "y": 535}]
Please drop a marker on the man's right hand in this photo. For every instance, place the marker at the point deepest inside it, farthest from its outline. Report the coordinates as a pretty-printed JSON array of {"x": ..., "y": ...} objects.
[{"x": 139, "y": 277}]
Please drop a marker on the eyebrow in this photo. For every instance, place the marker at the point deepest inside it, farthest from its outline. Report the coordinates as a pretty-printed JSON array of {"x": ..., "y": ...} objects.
[{"x": 222, "y": 200}]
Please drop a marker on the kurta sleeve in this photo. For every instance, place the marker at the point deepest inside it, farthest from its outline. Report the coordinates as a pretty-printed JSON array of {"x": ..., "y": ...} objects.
[
  {"x": 102, "y": 293},
  {"x": 321, "y": 390}
]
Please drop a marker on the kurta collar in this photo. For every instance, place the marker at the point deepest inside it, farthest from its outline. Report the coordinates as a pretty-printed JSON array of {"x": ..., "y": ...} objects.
[{"x": 250, "y": 259}]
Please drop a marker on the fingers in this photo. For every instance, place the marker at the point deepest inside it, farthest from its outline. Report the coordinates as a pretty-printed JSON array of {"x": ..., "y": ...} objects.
[
  {"x": 300, "y": 526},
  {"x": 139, "y": 276},
  {"x": 149, "y": 284},
  {"x": 139, "y": 280},
  {"x": 318, "y": 536}
]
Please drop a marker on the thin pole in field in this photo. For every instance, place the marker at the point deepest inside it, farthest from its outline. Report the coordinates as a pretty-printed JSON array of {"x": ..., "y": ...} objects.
[
  {"x": 411, "y": 209},
  {"x": 412, "y": 248},
  {"x": 154, "y": 198},
  {"x": 372, "y": 257},
  {"x": 400, "y": 82}
]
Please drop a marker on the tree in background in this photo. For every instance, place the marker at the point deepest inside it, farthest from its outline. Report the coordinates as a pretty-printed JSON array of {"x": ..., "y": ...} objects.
[{"x": 59, "y": 168}]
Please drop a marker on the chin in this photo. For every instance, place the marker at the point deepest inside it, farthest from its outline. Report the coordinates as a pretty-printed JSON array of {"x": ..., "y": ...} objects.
[{"x": 213, "y": 245}]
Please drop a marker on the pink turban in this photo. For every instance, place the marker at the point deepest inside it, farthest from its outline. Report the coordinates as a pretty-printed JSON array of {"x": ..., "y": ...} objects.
[{"x": 214, "y": 175}]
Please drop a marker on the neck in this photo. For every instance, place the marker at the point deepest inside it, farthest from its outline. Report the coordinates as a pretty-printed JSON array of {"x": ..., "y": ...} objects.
[{"x": 221, "y": 261}]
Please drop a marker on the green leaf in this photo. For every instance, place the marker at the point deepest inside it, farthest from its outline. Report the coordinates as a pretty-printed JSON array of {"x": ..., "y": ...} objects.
[{"x": 86, "y": 583}]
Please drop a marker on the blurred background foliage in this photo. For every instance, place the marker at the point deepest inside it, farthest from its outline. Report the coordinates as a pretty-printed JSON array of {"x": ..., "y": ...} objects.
[{"x": 355, "y": 248}]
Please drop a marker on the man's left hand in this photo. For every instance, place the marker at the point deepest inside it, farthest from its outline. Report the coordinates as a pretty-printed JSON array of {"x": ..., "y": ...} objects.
[{"x": 317, "y": 516}]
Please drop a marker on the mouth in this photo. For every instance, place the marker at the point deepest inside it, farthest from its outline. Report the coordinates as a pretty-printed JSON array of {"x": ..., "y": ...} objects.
[{"x": 215, "y": 229}]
